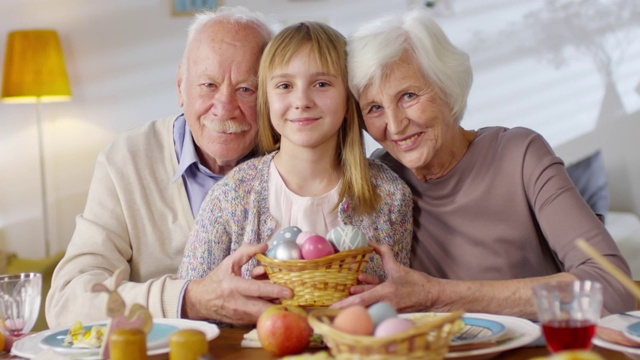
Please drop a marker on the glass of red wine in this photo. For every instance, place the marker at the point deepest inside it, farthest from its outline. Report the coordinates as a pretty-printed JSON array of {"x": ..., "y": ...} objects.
[{"x": 568, "y": 312}]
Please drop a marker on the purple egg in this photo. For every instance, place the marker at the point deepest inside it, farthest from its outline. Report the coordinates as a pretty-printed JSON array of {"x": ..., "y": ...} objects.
[{"x": 392, "y": 326}]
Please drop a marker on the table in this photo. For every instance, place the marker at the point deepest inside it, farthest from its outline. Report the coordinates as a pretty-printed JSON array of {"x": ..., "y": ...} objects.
[{"x": 227, "y": 346}]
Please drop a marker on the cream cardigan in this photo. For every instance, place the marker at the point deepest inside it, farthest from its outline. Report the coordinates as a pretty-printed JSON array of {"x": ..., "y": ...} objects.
[{"x": 134, "y": 218}]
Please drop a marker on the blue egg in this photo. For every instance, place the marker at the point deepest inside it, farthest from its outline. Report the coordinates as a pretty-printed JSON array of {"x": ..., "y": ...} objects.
[
  {"x": 271, "y": 253},
  {"x": 381, "y": 311},
  {"x": 290, "y": 233}
]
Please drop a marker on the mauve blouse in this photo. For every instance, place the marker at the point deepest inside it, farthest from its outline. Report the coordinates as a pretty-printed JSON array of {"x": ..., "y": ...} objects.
[{"x": 508, "y": 210}]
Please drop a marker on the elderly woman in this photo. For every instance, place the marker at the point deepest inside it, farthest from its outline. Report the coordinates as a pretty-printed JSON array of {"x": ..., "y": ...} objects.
[{"x": 495, "y": 211}]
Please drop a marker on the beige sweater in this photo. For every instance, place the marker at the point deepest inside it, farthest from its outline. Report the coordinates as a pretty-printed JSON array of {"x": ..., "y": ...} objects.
[{"x": 134, "y": 218}]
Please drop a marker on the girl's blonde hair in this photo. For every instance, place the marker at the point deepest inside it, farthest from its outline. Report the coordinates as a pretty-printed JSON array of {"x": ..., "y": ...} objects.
[{"x": 329, "y": 49}]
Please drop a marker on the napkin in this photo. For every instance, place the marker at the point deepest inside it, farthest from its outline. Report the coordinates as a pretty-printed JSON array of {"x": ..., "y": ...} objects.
[
  {"x": 250, "y": 340},
  {"x": 615, "y": 336},
  {"x": 611, "y": 329}
]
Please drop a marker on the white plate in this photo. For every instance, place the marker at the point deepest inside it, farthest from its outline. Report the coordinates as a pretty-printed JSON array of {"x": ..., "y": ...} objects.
[
  {"x": 29, "y": 346},
  {"x": 618, "y": 322},
  {"x": 482, "y": 329},
  {"x": 520, "y": 332}
]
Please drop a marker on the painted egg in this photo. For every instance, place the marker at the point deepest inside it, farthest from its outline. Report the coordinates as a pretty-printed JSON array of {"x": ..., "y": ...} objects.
[
  {"x": 290, "y": 233},
  {"x": 347, "y": 237},
  {"x": 287, "y": 250},
  {"x": 304, "y": 236},
  {"x": 393, "y": 326},
  {"x": 271, "y": 252},
  {"x": 315, "y": 246},
  {"x": 381, "y": 311},
  {"x": 354, "y": 320}
]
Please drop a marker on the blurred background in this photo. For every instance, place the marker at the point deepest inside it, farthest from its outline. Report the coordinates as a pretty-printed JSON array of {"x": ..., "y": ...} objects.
[{"x": 567, "y": 69}]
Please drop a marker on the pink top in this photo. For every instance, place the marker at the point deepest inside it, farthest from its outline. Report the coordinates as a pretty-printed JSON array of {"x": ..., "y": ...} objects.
[{"x": 315, "y": 214}]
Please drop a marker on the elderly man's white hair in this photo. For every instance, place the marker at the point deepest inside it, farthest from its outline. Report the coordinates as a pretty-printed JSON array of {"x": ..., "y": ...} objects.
[{"x": 233, "y": 15}]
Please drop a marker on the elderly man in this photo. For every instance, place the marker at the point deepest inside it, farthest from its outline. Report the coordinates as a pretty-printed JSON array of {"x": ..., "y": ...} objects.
[{"x": 149, "y": 184}]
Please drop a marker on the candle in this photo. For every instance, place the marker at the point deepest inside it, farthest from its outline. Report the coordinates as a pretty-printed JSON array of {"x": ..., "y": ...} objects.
[
  {"x": 187, "y": 344},
  {"x": 128, "y": 344}
]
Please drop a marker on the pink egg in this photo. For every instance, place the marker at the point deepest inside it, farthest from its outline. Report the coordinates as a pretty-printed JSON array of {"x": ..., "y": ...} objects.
[
  {"x": 315, "y": 246},
  {"x": 304, "y": 236},
  {"x": 392, "y": 326}
]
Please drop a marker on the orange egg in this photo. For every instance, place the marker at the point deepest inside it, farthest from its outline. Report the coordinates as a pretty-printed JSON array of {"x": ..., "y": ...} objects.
[{"x": 354, "y": 320}]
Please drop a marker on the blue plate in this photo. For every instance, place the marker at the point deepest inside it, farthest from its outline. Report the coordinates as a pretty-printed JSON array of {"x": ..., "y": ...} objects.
[
  {"x": 478, "y": 330},
  {"x": 633, "y": 331},
  {"x": 157, "y": 337}
]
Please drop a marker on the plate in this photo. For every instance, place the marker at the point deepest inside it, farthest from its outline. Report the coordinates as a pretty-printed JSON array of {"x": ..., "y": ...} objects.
[
  {"x": 30, "y": 346},
  {"x": 158, "y": 337},
  {"x": 618, "y": 322},
  {"x": 478, "y": 330},
  {"x": 633, "y": 331},
  {"x": 518, "y": 332}
]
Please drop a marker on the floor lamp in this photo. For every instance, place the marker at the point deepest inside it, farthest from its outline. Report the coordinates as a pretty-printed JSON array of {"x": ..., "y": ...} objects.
[{"x": 34, "y": 72}]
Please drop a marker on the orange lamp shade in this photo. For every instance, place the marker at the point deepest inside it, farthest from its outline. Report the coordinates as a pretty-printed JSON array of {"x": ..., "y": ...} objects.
[{"x": 34, "y": 68}]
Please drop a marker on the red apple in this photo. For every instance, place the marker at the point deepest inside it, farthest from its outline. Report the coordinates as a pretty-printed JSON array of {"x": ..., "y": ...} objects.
[
  {"x": 315, "y": 247},
  {"x": 284, "y": 330}
]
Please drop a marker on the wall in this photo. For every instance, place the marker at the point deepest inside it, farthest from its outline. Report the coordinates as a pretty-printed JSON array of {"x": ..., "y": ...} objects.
[{"x": 122, "y": 58}]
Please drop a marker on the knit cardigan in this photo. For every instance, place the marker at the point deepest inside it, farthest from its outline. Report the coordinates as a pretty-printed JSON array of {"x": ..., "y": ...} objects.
[{"x": 236, "y": 210}]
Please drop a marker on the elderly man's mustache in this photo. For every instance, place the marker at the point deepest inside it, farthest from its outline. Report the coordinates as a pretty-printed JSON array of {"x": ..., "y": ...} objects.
[{"x": 226, "y": 126}]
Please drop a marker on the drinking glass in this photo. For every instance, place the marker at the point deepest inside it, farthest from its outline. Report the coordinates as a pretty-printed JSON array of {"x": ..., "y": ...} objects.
[
  {"x": 19, "y": 302},
  {"x": 568, "y": 312}
]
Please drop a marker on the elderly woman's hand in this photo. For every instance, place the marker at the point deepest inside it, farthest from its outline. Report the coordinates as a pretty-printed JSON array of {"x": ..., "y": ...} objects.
[{"x": 405, "y": 289}]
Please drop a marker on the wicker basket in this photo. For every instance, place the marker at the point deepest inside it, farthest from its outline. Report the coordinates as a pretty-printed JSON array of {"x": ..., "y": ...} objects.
[
  {"x": 428, "y": 340},
  {"x": 319, "y": 282}
]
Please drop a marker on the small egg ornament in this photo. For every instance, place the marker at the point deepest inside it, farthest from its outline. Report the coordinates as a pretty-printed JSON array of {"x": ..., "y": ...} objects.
[
  {"x": 304, "y": 236},
  {"x": 315, "y": 247},
  {"x": 290, "y": 233},
  {"x": 393, "y": 326},
  {"x": 271, "y": 252},
  {"x": 347, "y": 237},
  {"x": 354, "y": 320},
  {"x": 381, "y": 311},
  {"x": 287, "y": 250}
]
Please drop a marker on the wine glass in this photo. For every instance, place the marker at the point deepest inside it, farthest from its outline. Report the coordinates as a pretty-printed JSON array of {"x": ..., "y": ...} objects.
[
  {"x": 568, "y": 312},
  {"x": 19, "y": 302}
]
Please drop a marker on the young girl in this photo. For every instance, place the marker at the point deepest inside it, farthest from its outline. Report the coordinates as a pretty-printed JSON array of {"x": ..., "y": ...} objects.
[{"x": 313, "y": 173}]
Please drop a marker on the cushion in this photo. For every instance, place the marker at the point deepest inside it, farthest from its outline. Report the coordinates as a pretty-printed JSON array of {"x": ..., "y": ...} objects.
[{"x": 590, "y": 178}]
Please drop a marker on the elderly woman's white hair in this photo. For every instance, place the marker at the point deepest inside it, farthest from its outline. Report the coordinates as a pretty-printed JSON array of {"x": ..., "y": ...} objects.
[{"x": 375, "y": 46}]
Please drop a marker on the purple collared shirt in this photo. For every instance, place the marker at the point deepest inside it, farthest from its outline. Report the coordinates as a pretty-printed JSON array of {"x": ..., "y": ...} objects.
[{"x": 196, "y": 177}]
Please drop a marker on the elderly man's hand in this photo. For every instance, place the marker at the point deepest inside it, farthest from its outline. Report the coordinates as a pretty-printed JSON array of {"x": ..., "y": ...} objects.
[
  {"x": 224, "y": 295},
  {"x": 405, "y": 289}
]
